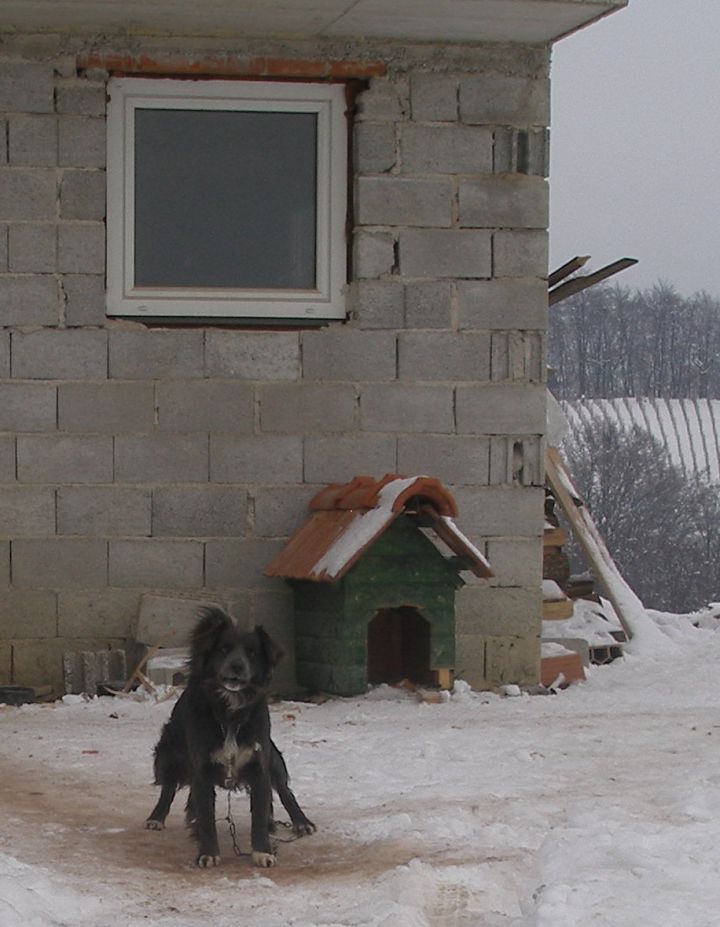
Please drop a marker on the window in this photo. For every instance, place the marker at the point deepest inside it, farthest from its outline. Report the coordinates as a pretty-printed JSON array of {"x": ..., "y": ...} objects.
[{"x": 226, "y": 199}]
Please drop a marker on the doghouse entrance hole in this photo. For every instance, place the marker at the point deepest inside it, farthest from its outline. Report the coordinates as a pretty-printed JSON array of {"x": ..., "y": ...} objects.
[{"x": 399, "y": 647}]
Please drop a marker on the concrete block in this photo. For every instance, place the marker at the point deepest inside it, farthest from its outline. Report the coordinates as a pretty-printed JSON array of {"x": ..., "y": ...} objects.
[
  {"x": 307, "y": 409},
  {"x": 84, "y": 296},
  {"x": 373, "y": 254},
  {"x": 39, "y": 663},
  {"x": 85, "y": 670},
  {"x": 26, "y": 511},
  {"x": 445, "y": 253},
  {"x": 166, "y": 458},
  {"x": 428, "y": 304},
  {"x": 518, "y": 461},
  {"x": 4, "y": 143},
  {"x": 82, "y": 195},
  {"x": 349, "y": 354},
  {"x": 104, "y": 511},
  {"x": 156, "y": 355},
  {"x": 378, "y": 303},
  {"x": 80, "y": 97},
  {"x": 386, "y": 99},
  {"x": 32, "y": 248},
  {"x": 522, "y": 151},
  {"x": 27, "y": 407},
  {"x": 518, "y": 356},
  {"x": 5, "y": 563},
  {"x": 168, "y": 667},
  {"x": 169, "y": 618},
  {"x": 501, "y": 511},
  {"x": 60, "y": 354},
  {"x": 156, "y": 564},
  {"x": 449, "y": 149},
  {"x": 7, "y": 458},
  {"x": 400, "y": 408},
  {"x": 235, "y": 564},
  {"x": 59, "y": 563},
  {"x": 28, "y": 194},
  {"x": 3, "y": 248},
  {"x": 470, "y": 660},
  {"x": 26, "y": 613},
  {"x": 5, "y": 664},
  {"x": 375, "y": 147},
  {"x": 199, "y": 511},
  {"x": 404, "y": 201},
  {"x": 452, "y": 460},
  {"x": 81, "y": 248},
  {"x": 252, "y": 355},
  {"x": 265, "y": 460},
  {"x": 507, "y": 201},
  {"x": 4, "y": 354},
  {"x": 434, "y": 97},
  {"x": 492, "y": 611},
  {"x": 520, "y": 253},
  {"x": 513, "y": 660},
  {"x": 501, "y": 410},
  {"x": 26, "y": 87},
  {"x": 206, "y": 405},
  {"x": 448, "y": 356},
  {"x": 81, "y": 141},
  {"x": 64, "y": 459},
  {"x": 273, "y": 609},
  {"x": 84, "y": 613},
  {"x": 495, "y": 99},
  {"x": 507, "y": 303},
  {"x": 29, "y": 301},
  {"x": 338, "y": 459},
  {"x": 110, "y": 408},
  {"x": 32, "y": 141},
  {"x": 280, "y": 510}
]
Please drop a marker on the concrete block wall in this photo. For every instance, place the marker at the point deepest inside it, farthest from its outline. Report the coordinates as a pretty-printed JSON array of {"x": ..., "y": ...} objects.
[{"x": 179, "y": 459}]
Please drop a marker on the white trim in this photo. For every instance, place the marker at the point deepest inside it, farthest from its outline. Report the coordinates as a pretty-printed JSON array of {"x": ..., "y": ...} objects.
[{"x": 327, "y": 101}]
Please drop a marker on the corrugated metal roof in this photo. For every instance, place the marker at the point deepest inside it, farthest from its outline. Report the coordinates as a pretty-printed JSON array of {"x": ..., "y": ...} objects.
[{"x": 348, "y": 517}]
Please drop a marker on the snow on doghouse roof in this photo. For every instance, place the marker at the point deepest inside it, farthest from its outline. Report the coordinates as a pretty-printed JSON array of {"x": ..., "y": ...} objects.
[{"x": 348, "y": 517}]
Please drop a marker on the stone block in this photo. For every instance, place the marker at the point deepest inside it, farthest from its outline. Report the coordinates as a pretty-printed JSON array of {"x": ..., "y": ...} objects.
[
  {"x": 339, "y": 459},
  {"x": 103, "y": 511},
  {"x": 156, "y": 564},
  {"x": 516, "y": 561},
  {"x": 501, "y": 511},
  {"x": 522, "y": 151},
  {"x": 434, "y": 97},
  {"x": 32, "y": 248},
  {"x": 26, "y": 511},
  {"x": 236, "y": 564},
  {"x": 307, "y": 409},
  {"x": 156, "y": 355},
  {"x": 280, "y": 510},
  {"x": 445, "y": 253},
  {"x": 199, "y": 511},
  {"x": 169, "y": 618},
  {"x": 452, "y": 460},
  {"x": 492, "y": 611},
  {"x": 373, "y": 254},
  {"x": 26, "y": 87},
  {"x": 81, "y": 248},
  {"x": 404, "y": 201},
  {"x": 428, "y": 304},
  {"x": 401, "y": 408},
  {"x": 7, "y": 458},
  {"x": 59, "y": 563},
  {"x": 27, "y": 407},
  {"x": 518, "y": 356},
  {"x": 84, "y": 296},
  {"x": 267, "y": 459},
  {"x": 64, "y": 459},
  {"x": 507, "y": 201},
  {"x": 349, "y": 354},
  {"x": 385, "y": 99},
  {"x": 495, "y": 99},
  {"x": 28, "y": 194},
  {"x": 513, "y": 660},
  {"x": 27, "y": 613},
  {"x": 507, "y": 303},
  {"x": 110, "y": 408},
  {"x": 517, "y": 461},
  {"x": 112, "y": 612},
  {"x": 501, "y": 410},
  {"x": 80, "y": 97},
  {"x": 449, "y": 149},
  {"x": 520, "y": 253},
  {"x": 81, "y": 141},
  {"x": 166, "y": 458},
  {"x": 82, "y": 195},
  {"x": 61, "y": 354},
  {"x": 206, "y": 405},
  {"x": 252, "y": 355},
  {"x": 32, "y": 141},
  {"x": 448, "y": 356},
  {"x": 375, "y": 147},
  {"x": 379, "y": 303},
  {"x": 29, "y": 301}
]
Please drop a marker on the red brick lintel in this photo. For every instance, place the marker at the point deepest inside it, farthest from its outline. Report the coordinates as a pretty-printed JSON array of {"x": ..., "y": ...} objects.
[{"x": 231, "y": 66}]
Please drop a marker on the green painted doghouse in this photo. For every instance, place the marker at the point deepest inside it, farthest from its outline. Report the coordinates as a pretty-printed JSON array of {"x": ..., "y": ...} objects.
[{"x": 374, "y": 572}]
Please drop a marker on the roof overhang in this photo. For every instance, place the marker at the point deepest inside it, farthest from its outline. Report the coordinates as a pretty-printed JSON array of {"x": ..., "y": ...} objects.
[{"x": 464, "y": 21}]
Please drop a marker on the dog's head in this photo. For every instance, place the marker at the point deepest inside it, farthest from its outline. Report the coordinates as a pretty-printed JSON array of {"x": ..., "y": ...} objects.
[{"x": 236, "y": 663}]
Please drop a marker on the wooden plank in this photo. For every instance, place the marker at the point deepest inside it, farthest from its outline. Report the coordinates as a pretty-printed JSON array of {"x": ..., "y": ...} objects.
[
  {"x": 557, "y": 610},
  {"x": 568, "y": 268},
  {"x": 578, "y": 284},
  {"x": 444, "y": 677},
  {"x": 555, "y": 537}
]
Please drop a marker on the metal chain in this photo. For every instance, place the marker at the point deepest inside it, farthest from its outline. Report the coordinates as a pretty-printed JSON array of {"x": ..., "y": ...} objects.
[{"x": 233, "y": 831}]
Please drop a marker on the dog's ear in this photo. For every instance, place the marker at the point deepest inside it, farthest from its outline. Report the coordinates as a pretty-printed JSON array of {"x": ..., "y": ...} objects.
[
  {"x": 211, "y": 623},
  {"x": 271, "y": 651}
]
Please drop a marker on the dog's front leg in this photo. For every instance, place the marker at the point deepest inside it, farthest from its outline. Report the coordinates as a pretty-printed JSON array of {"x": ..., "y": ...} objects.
[
  {"x": 201, "y": 820},
  {"x": 260, "y": 802}
]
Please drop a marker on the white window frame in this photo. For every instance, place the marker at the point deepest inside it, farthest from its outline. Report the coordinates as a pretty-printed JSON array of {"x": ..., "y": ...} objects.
[{"x": 327, "y": 101}]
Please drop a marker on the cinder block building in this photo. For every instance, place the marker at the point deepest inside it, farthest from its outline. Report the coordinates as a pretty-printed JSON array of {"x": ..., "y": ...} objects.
[{"x": 247, "y": 250}]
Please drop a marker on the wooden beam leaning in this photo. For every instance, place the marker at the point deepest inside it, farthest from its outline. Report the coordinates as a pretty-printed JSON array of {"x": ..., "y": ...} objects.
[
  {"x": 568, "y": 268},
  {"x": 578, "y": 284}
]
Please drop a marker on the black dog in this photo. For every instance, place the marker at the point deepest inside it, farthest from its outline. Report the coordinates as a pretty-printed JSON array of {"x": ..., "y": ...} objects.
[{"x": 219, "y": 735}]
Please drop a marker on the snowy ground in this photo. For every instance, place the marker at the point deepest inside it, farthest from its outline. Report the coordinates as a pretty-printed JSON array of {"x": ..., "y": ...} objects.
[{"x": 600, "y": 805}]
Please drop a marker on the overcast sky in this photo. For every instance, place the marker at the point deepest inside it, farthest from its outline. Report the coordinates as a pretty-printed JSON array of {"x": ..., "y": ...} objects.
[{"x": 635, "y": 168}]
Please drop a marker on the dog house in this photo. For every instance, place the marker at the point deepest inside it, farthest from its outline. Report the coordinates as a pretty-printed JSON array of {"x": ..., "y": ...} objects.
[{"x": 374, "y": 571}]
